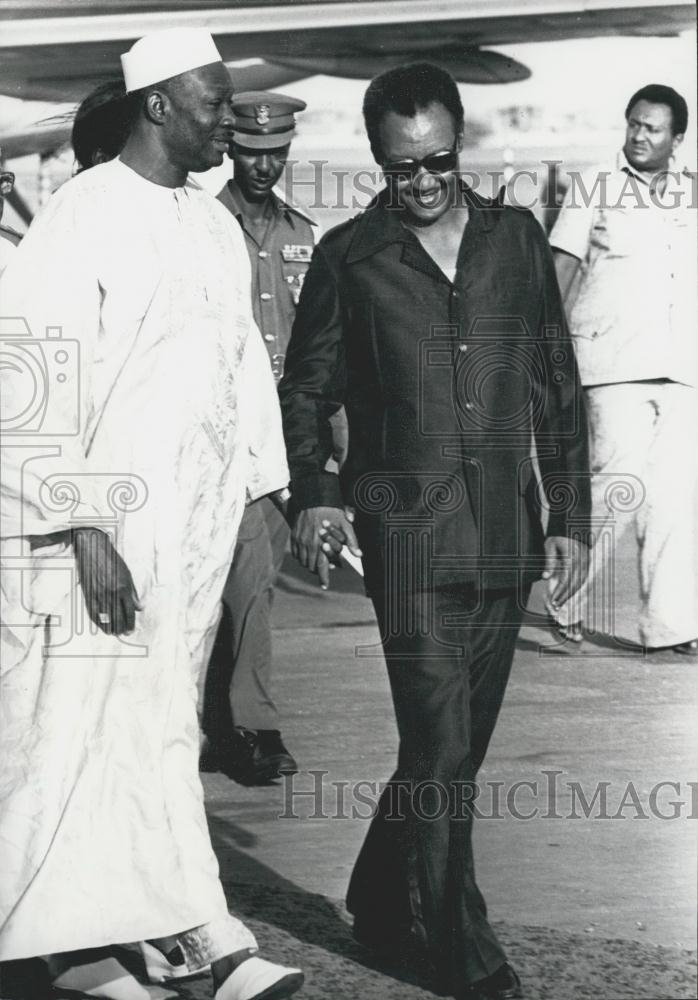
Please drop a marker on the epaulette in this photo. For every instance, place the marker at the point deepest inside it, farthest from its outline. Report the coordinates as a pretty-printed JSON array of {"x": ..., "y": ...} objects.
[{"x": 293, "y": 207}]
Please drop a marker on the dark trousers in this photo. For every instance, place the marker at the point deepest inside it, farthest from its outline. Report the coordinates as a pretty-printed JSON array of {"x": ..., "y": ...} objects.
[
  {"x": 448, "y": 658},
  {"x": 237, "y": 690}
]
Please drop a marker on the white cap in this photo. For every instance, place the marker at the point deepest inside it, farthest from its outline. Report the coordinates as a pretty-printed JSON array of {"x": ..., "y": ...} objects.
[{"x": 167, "y": 53}]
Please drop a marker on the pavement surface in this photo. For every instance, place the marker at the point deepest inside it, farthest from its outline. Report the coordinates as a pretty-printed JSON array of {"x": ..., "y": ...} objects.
[
  {"x": 599, "y": 906},
  {"x": 586, "y": 843},
  {"x": 592, "y": 897}
]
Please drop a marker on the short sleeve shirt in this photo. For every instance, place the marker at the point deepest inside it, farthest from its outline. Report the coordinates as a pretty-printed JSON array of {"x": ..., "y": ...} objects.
[
  {"x": 279, "y": 263},
  {"x": 634, "y": 315}
]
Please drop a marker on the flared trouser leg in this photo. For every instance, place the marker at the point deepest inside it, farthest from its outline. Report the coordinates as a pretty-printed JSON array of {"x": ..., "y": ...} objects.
[{"x": 448, "y": 676}]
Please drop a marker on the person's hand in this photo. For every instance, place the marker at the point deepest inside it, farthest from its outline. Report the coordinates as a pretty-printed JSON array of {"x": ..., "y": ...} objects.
[
  {"x": 566, "y": 562},
  {"x": 106, "y": 581},
  {"x": 318, "y": 537}
]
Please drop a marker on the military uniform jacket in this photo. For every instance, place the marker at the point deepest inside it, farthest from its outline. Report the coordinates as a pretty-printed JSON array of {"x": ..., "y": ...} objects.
[
  {"x": 279, "y": 264},
  {"x": 445, "y": 385}
]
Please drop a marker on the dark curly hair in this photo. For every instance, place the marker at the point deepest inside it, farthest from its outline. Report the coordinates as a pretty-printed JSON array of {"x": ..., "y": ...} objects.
[
  {"x": 102, "y": 124},
  {"x": 405, "y": 90},
  {"x": 659, "y": 93}
]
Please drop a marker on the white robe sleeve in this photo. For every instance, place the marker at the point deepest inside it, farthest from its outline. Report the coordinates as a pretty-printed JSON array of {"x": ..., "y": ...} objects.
[
  {"x": 49, "y": 323},
  {"x": 261, "y": 420}
]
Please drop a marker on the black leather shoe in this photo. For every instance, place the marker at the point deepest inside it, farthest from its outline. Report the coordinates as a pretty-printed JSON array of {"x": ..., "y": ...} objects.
[
  {"x": 255, "y": 756},
  {"x": 504, "y": 984}
]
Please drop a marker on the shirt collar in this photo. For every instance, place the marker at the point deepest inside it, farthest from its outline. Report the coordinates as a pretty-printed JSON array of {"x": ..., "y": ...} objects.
[
  {"x": 680, "y": 176},
  {"x": 378, "y": 226},
  {"x": 154, "y": 189},
  {"x": 234, "y": 204},
  {"x": 625, "y": 167}
]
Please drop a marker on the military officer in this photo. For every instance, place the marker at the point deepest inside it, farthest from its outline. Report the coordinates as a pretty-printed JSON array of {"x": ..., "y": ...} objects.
[{"x": 240, "y": 719}]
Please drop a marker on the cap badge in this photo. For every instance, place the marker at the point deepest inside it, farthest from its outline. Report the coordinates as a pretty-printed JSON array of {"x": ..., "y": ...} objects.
[{"x": 262, "y": 114}]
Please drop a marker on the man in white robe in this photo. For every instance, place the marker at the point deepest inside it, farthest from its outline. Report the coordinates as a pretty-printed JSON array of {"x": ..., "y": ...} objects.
[{"x": 139, "y": 413}]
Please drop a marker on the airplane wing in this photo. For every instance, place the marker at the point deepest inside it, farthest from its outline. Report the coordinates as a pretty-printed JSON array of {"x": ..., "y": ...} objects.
[
  {"x": 59, "y": 49},
  {"x": 39, "y": 138},
  {"x": 47, "y": 135}
]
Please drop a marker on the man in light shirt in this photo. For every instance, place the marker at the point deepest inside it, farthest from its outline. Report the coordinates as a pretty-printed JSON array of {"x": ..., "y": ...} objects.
[
  {"x": 625, "y": 255},
  {"x": 124, "y": 479}
]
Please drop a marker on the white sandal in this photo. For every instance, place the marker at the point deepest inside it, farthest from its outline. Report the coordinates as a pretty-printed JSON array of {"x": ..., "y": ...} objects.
[
  {"x": 257, "y": 979},
  {"x": 160, "y": 969},
  {"x": 106, "y": 979}
]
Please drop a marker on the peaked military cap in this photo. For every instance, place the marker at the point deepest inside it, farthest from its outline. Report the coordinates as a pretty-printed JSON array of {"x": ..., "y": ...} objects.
[{"x": 265, "y": 120}]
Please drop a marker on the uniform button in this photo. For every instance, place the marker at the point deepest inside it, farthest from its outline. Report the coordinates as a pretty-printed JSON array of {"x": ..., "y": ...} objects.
[
  {"x": 468, "y": 406},
  {"x": 268, "y": 337},
  {"x": 265, "y": 296},
  {"x": 289, "y": 279},
  {"x": 463, "y": 348},
  {"x": 262, "y": 254}
]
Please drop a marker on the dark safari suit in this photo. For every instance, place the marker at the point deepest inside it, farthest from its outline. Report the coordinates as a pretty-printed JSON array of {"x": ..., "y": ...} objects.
[{"x": 444, "y": 384}]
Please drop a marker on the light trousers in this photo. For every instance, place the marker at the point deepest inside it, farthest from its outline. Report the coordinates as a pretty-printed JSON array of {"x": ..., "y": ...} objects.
[{"x": 644, "y": 475}]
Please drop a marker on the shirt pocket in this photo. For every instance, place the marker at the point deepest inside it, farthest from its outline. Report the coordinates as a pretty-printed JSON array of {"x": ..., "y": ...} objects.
[
  {"x": 616, "y": 231},
  {"x": 293, "y": 275},
  {"x": 515, "y": 295}
]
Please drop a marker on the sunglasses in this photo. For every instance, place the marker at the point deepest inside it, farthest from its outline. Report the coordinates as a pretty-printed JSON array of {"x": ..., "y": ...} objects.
[
  {"x": 7, "y": 181},
  {"x": 442, "y": 162}
]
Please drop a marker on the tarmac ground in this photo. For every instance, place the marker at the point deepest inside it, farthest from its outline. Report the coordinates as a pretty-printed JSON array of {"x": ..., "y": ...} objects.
[
  {"x": 600, "y": 906},
  {"x": 585, "y": 842}
]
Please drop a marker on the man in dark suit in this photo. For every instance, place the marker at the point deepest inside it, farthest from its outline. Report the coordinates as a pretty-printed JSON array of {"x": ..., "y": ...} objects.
[{"x": 434, "y": 317}]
